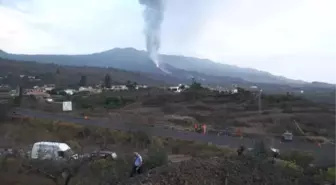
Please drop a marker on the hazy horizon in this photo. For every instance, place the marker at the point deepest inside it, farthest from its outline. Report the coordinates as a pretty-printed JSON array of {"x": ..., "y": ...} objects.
[{"x": 295, "y": 39}]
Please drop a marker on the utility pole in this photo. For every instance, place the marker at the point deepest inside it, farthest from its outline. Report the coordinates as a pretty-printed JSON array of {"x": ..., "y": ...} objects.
[{"x": 259, "y": 101}]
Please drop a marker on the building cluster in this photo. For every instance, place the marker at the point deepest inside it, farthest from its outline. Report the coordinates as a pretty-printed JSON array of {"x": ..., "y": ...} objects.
[
  {"x": 46, "y": 90},
  {"x": 29, "y": 77},
  {"x": 179, "y": 88}
]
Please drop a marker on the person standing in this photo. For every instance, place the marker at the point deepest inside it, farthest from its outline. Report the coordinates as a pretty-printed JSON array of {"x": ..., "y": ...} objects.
[
  {"x": 137, "y": 165},
  {"x": 240, "y": 150},
  {"x": 204, "y": 128}
]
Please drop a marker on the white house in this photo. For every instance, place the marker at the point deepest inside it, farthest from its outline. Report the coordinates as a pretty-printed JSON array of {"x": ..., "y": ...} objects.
[
  {"x": 119, "y": 87},
  {"x": 69, "y": 91}
]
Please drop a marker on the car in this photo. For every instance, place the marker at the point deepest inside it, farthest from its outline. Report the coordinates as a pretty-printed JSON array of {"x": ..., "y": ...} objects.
[{"x": 104, "y": 154}]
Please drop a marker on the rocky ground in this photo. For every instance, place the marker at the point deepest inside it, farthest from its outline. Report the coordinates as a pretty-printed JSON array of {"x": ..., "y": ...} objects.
[{"x": 221, "y": 171}]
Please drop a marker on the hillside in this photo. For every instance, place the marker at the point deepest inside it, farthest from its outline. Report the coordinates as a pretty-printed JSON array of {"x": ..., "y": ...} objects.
[
  {"x": 74, "y": 72},
  {"x": 68, "y": 75},
  {"x": 134, "y": 60}
]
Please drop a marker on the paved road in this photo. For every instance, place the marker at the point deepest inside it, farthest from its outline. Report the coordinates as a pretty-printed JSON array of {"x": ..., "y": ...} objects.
[{"x": 324, "y": 154}]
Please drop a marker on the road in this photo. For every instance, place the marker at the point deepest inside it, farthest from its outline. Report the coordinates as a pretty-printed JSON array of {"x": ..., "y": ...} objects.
[{"x": 325, "y": 155}]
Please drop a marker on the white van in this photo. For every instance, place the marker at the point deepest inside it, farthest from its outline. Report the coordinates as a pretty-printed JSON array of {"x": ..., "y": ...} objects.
[{"x": 52, "y": 151}]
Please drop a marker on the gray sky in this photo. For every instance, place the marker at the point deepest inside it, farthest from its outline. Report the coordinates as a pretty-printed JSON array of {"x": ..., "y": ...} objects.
[{"x": 293, "y": 38}]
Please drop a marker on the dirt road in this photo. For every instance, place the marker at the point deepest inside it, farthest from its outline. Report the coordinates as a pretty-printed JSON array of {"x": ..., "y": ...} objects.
[{"x": 325, "y": 155}]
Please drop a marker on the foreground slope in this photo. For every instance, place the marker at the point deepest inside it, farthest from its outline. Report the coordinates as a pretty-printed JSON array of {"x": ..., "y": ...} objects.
[
  {"x": 208, "y": 164},
  {"x": 221, "y": 171}
]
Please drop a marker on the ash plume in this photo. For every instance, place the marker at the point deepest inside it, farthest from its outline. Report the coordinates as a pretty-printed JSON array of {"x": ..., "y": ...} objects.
[{"x": 153, "y": 17}]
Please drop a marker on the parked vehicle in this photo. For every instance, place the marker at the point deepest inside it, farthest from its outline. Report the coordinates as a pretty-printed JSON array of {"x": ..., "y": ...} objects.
[
  {"x": 287, "y": 136},
  {"x": 104, "y": 154},
  {"x": 52, "y": 151}
]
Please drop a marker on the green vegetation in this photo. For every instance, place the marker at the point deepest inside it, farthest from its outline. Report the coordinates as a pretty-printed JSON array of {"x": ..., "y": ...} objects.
[
  {"x": 131, "y": 85},
  {"x": 302, "y": 159},
  {"x": 157, "y": 156},
  {"x": 108, "y": 100},
  {"x": 330, "y": 175},
  {"x": 83, "y": 81},
  {"x": 5, "y": 110},
  {"x": 195, "y": 85},
  {"x": 107, "y": 81}
]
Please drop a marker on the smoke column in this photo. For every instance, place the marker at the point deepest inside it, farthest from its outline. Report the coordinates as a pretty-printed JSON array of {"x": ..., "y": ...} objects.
[{"x": 153, "y": 16}]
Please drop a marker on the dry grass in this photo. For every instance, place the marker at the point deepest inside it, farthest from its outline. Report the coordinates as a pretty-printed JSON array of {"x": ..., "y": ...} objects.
[
  {"x": 220, "y": 111},
  {"x": 32, "y": 130}
]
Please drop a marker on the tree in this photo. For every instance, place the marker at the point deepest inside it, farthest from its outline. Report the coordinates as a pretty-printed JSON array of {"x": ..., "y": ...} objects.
[
  {"x": 135, "y": 84},
  {"x": 58, "y": 75},
  {"x": 18, "y": 99},
  {"x": 195, "y": 85},
  {"x": 107, "y": 81},
  {"x": 58, "y": 71},
  {"x": 131, "y": 85},
  {"x": 260, "y": 149},
  {"x": 53, "y": 92},
  {"x": 83, "y": 81},
  {"x": 5, "y": 108}
]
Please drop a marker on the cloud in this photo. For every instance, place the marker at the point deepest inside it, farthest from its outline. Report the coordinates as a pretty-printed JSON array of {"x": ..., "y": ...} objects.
[
  {"x": 292, "y": 38},
  {"x": 68, "y": 26},
  {"x": 104, "y": 24},
  {"x": 272, "y": 27},
  {"x": 284, "y": 37},
  {"x": 19, "y": 32}
]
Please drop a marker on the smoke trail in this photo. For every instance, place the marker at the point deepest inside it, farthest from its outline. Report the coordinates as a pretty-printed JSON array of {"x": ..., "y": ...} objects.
[{"x": 153, "y": 16}]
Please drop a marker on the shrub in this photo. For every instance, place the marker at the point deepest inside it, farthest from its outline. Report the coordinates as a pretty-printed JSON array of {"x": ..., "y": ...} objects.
[
  {"x": 5, "y": 108},
  {"x": 2, "y": 163},
  {"x": 195, "y": 85},
  {"x": 157, "y": 156},
  {"x": 331, "y": 174},
  {"x": 260, "y": 150},
  {"x": 292, "y": 165},
  {"x": 74, "y": 145},
  {"x": 109, "y": 171},
  {"x": 302, "y": 159}
]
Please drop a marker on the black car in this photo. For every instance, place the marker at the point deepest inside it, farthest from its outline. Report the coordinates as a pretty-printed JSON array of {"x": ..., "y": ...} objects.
[{"x": 104, "y": 154}]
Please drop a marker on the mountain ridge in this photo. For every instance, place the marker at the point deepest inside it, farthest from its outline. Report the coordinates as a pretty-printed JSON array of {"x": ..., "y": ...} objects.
[
  {"x": 204, "y": 60},
  {"x": 136, "y": 60}
]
